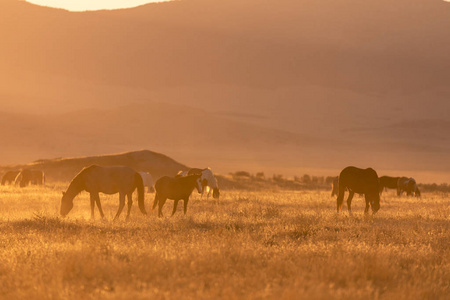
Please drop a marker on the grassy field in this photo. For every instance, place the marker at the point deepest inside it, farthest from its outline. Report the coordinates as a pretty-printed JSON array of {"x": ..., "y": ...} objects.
[{"x": 252, "y": 245}]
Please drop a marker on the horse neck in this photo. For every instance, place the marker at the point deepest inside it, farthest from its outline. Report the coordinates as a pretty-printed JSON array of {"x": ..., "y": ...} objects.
[
  {"x": 190, "y": 181},
  {"x": 75, "y": 187}
]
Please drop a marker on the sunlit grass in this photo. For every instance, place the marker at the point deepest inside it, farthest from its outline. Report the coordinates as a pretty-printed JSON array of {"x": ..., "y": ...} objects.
[{"x": 276, "y": 244}]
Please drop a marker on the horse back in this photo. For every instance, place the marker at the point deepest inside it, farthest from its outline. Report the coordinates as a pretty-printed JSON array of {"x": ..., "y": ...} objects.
[
  {"x": 362, "y": 181},
  {"x": 173, "y": 188},
  {"x": 109, "y": 180},
  {"x": 389, "y": 182}
]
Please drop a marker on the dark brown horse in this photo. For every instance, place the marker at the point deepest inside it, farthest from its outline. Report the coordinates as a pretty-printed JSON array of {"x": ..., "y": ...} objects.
[
  {"x": 175, "y": 188},
  {"x": 363, "y": 181},
  {"x": 408, "y": 185},
  {"x": 10, "y": 177},
  {"x": 388, "y": 182},
  {"x": 107, "y": 180}
]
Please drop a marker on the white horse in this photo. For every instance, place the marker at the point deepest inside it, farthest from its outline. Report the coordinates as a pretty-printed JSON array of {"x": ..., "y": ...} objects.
[
  {"x": 147, "y": 179},
  {"x": 208, "y": 180}
]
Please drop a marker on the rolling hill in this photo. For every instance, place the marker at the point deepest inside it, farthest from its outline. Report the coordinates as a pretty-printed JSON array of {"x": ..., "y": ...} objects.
[{"x": 64, "y": 169}]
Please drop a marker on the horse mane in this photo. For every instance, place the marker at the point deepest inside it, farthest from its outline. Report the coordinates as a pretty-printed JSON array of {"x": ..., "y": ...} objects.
[{"x": 77, "y": 184}]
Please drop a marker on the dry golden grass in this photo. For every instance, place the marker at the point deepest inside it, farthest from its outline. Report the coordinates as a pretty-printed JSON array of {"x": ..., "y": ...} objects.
[{"x": 256, "y": 245}]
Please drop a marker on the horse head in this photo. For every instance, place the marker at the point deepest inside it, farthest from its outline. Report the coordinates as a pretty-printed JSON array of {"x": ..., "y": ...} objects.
[
  {"x": 198, "y": 183},
  {"x": 66, "y": 204},
  {"x": 410, "y": 187},
  {"x": 216, "y": 193},
  {"x": 375, "y": 202}
]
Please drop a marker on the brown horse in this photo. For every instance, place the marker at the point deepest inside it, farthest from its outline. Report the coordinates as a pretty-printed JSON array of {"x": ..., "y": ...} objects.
[
  {"x": 107, "y": 180},
  {"x": 388, "y": 182},
  {"x": 175, "y": 188},
  {"x": 9, "y": 177},
  {"x": 363, "y": 181}
]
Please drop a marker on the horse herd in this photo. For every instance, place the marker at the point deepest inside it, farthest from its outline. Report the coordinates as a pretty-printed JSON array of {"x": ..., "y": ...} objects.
[
  {"x": 124, "y": 180},
  {"x": 366, "y": 181},
  {"x": 24, "y": 177}
]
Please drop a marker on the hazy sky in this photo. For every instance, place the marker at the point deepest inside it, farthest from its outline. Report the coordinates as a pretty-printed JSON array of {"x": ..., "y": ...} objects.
[{"x": 81, "y": 5}]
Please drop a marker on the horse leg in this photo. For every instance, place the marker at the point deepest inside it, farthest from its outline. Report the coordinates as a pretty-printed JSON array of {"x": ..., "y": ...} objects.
[
  {"x": 92, "y": 198},
  {"x": 340, "y": 199},
  {"x": 185, "y": 205},
  {"x": 349, "y": 201},
  {"x": 121, "y": 205},
  {"x": 161, "y": 203},
  {"x": 99, "y": 205},
  {"x": 175, "y": 203},
  {"x": 366, "y": 210},
  {"x": 130, "y": 202}
]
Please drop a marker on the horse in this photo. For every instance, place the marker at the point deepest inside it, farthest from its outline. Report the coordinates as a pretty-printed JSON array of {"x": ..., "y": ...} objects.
[
  {"x": 10, "y": 177},
  {"x": 335, "y": 187},
  {"x": 208, "y": 180},
  {"x": 28, "y": 176},
  {"x": 175, "y": 188},
  {"x": 388, "y": 182},
  {"x": 408, "y": 185},
  {"x": 363, "y": 181},
  {"x": 108, "y": 180},
  {"x": 37, "y": 177},
  {"x": 147, "y": 179}
]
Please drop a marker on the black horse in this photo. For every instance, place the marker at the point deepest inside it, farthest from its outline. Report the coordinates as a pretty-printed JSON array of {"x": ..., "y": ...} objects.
[
  {"x": 407, "y": 185},
  {"x": 363, "y": 181},
  {"x": 175, "y": 188},
  {"x": 388, "y": 182}
]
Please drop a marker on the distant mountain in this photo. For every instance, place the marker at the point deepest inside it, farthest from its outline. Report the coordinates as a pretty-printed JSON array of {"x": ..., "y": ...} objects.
[{"x": 64, "y": 169}]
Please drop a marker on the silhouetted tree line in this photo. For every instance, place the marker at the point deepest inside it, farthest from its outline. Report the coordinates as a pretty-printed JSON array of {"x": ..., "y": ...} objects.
[
  {"x": 433, "y": 187},
  {"x": 303, "y": 182}
]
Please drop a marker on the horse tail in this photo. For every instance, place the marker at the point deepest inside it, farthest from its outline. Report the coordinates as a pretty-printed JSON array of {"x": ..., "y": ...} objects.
[{"x": 140, "y": 190}]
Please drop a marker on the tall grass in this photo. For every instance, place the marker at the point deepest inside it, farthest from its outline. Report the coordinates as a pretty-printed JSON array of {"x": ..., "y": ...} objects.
[{"x": 257, "y": 245}]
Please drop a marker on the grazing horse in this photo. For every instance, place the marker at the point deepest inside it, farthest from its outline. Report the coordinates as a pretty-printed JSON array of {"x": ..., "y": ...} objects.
[
  {"x": 388, "y": 182},
  {"x": 417, "y": 192},
  {"x": 407, "y": 185},
  {"x": 9, "y": 177},
  {"x": 335, "y": 187},
  {"x": 27, "y": 176},
  {"x": 175, "y": 188},
  {"x": 147, "y": 179},
  {"x": 208, "y": 181},
  {"x": 363, "y": 181},
  {"x": 107, "y": 180}
]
